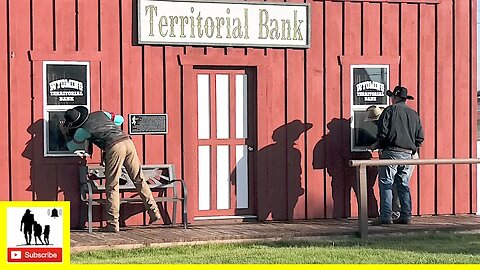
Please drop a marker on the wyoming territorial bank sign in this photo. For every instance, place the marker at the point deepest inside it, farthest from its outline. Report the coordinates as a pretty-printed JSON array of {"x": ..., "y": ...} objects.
[{"x": 237, "y": 24}]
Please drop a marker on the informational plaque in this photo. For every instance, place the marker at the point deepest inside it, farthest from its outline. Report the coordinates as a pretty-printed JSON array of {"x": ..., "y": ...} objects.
[{"x": 147, "y": 124}]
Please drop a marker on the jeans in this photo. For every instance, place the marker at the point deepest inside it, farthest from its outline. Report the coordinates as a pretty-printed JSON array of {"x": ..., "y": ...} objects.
[
  {"x": 398, "y": 175},
  {"x": 396, "y": 206}
]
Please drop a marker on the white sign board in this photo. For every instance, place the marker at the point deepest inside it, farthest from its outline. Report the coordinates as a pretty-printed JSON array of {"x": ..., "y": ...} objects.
[{"x": 236, "y": 24}]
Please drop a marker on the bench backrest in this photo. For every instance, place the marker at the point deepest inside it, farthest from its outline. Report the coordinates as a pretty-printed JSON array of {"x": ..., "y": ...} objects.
[{"x": 157, "y": 176}]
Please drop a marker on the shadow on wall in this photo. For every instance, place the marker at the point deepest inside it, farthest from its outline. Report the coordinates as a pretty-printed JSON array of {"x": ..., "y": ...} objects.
[
  {"x": 279, "y": 173},
  {"x": 51, "y": 177},
  {"x": 333, "y": 153}
]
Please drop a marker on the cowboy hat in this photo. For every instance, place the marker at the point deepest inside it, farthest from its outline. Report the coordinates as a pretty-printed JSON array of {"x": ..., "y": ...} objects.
[
  {"x": 75, "y": 117},
  {"x": 373, "y": 113},
  {"x": 399, "y": 91}
]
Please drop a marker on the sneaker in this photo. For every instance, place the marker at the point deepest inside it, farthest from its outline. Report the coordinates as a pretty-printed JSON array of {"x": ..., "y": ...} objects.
[
  {"x": 403, "y": 221},
  {"x": 380, "y": 222},
  {"x": 154, "y": 216}
]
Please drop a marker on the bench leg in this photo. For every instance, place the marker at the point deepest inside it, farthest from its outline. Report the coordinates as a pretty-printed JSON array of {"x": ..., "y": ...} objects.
[
  {"x": 184, "y": 217},
  {"x": 82, "y": 213},
  {"x": 90, "y": 216},
  {"x": 174, "y": 215},
  {"x": 184, "y": 209}
]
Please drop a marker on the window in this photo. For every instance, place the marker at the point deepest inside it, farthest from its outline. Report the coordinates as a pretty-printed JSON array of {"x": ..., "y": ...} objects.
[
  {"x": 368, "y": 84},
  {"x": 65, "y": 85}
]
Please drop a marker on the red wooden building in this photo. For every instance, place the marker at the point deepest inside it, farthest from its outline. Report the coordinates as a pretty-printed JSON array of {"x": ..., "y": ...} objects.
[{"x": 257, "y": 130}]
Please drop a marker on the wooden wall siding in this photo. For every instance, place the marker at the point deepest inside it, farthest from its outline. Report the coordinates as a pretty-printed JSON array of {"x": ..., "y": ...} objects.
[
  {"x": 353, "y": 46},
  {"x": 315, "y": 112},
  {"x": 473, "y": 102},
  {"x": 5, "y": 156},
  {"x": 444, "y": 115},
  {"x": 436, "y": 44},
  {"x": 409, "y": 63},
  {"x": 461, "y": 97},
  {"x": 295, "y": 79},
  {"x": 426, "y": 107}
]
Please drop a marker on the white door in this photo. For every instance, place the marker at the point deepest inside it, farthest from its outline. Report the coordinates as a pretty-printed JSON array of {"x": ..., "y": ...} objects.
[{"x": 225, "y": 140}]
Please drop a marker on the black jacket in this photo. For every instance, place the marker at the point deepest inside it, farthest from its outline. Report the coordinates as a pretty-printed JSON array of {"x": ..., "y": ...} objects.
[
  {"x": 400, "y": 126},
  {"x": 104, "y": 132}
]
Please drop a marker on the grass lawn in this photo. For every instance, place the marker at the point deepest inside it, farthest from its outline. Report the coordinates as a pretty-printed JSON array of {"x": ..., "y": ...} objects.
[{"x": 431, "y": 248}]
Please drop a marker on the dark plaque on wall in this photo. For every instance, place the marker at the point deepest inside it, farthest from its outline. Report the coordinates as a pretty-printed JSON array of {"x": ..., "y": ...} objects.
[
  {"x": 147, "y": 124},
  {"x": 66, "y": 83}
]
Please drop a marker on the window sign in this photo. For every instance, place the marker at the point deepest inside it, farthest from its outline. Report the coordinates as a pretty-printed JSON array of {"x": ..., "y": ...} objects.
[
  {"x": 369, "y": 85},
  {"x": 65, "y": 85}
]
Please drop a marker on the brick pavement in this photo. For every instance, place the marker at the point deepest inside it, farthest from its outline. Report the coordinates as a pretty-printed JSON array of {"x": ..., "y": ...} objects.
[{"x": 162, "y": 235}]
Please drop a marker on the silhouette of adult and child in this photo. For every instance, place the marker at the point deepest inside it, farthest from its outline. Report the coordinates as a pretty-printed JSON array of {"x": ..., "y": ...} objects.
[{"x": 28, "y": 225}]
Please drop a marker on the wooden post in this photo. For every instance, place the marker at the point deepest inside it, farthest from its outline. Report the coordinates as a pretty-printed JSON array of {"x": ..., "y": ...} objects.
[
  {"x": 362, "y": 180},
  {"x": 362, "y": 201}
]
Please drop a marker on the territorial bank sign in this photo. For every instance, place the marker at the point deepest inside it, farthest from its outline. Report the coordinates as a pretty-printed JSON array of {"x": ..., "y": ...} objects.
[{"x": 236, "y": 24}]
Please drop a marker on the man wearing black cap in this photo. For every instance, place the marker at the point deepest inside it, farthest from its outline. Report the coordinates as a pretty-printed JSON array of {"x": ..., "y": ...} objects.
[
  {"x": 400, "y": 134},
  {"x": 102, "y": 129}
]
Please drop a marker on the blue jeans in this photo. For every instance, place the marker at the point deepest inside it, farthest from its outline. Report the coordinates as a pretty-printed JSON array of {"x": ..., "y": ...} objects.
[{"x": 398, "y": 175}]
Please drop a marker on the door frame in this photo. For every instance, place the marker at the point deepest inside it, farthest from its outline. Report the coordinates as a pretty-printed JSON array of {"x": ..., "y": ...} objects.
[{"x": 256, "y": 60}]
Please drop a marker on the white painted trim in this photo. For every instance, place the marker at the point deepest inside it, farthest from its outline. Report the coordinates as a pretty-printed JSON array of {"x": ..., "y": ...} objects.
[{"x": 224, "y": 217}]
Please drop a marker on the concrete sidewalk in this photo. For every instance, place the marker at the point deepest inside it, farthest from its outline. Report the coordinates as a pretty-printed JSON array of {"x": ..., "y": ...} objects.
[{"x": 163, "y": 236}]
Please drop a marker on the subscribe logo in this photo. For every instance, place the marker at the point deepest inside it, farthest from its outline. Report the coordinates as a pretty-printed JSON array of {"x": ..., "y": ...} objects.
[
  {"x": 34, "y": 255},
  {"x": 40, "y": 238}
]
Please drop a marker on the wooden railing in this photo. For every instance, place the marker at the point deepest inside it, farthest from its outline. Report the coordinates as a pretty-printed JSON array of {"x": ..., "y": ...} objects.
[{"x": 362, "y": 180}]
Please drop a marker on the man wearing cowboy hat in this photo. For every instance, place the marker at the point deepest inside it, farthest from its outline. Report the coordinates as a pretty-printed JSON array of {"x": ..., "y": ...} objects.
[
  {"x": 399, "y": 135},
  {"x": 102, "y": 129}
]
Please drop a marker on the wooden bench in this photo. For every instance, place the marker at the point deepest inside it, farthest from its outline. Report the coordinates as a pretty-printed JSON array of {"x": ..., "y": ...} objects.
[{"x": 160, "y": 178}]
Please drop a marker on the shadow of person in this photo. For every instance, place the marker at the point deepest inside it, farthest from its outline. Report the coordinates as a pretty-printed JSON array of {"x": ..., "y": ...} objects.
[
  {"x": 279, "y": 173},
  {"x": 42, "y": 178},
  {"x": 332, "y": 152},
  {"x": 50, "y": 176}
]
